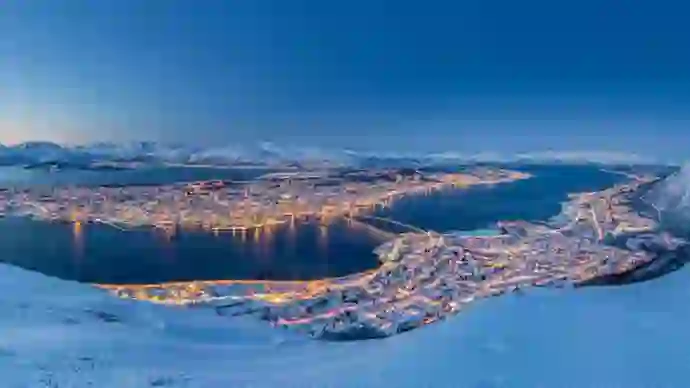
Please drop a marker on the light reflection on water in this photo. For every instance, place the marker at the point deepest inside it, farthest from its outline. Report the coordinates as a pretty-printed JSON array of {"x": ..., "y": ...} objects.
[
  {"x": 78, "y": 233},
  {"x": 97, "y": 253}
]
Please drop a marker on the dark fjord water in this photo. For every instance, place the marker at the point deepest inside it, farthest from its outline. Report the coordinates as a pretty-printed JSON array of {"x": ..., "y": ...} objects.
[
  {"x": 101, "y": 254},
  {"x": 478, "y": 207},
  {"x": 20, "y": 177},
  {"x": 95, "y": 253}
]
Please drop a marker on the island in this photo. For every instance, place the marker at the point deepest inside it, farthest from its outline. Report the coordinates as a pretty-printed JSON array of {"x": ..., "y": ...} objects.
[{"x": 237, "y": 206}]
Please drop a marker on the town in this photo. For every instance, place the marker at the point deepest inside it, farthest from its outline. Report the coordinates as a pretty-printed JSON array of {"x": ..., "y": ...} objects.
[
  {"x": 236, "y": 206},
  {"x": 426, "y": 276}
]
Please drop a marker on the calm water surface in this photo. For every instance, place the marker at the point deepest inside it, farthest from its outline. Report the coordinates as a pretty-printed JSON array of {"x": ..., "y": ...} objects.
[
  {"x": 17, "y": 176},
  {"x": 478, "y": 207},
  {"x": 97, "y": 253}
]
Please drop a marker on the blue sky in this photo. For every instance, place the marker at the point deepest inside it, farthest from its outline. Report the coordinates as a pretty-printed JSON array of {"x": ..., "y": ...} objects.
[{"x": 469, "y": 76}]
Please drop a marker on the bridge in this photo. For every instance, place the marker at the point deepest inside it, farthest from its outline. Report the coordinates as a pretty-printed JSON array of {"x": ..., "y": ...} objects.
[
  {"x": 385, "y": 235},
  {"x": 410, "y": 227}
]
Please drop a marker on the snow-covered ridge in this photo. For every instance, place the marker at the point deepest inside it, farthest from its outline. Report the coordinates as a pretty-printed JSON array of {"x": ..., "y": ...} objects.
[
  {"x": 57, "y": 333},
  {"x": 61, "y": 334},
  {"x": 271, "y": 153},
  {"x": 671, "y": 198}
]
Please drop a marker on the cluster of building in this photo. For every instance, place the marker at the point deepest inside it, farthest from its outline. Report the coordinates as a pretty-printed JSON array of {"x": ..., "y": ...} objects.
[
  {"x": 425, "y": 277},
  {"x": 611, "y": 211},
  {"x": 235, "y": 206}
]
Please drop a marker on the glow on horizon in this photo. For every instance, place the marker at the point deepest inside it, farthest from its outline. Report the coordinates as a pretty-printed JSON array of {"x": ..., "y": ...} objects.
[
  {"x": 14, "y": 133},
  {"x": 22, "y": 120}
]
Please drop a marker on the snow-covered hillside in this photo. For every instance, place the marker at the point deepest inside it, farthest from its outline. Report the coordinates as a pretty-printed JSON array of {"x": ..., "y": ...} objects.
[
  {"x": 671, "y": 198},
  {"x": 62, "y": 334}
]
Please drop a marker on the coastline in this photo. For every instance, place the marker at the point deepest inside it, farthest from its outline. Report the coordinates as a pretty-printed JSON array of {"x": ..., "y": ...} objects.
[
  {"x": 243, "y": 220},
  {"x": 424, "y": 277}
]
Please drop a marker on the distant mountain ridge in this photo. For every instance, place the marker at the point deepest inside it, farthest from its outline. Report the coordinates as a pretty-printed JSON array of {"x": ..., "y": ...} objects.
[{"x": 270, "y": 154}]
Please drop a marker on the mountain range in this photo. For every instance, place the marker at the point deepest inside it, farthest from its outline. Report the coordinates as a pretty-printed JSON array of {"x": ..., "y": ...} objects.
[{"x": 40, "y": 153}]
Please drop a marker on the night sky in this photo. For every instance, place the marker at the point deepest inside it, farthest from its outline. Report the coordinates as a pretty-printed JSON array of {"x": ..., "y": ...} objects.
[{"x": 468, "y": 76}]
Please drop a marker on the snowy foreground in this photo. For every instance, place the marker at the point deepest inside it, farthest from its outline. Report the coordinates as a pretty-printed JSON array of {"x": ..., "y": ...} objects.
[{"x": 61, "y": 334}]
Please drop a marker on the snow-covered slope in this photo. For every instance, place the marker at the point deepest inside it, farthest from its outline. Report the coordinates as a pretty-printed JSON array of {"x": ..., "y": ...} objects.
[
  {"x": 61, "y": 334},
  {"x": 671, "y": 198}
]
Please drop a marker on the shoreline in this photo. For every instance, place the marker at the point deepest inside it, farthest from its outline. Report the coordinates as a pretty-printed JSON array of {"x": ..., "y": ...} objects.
[
  {"x": 426, "y": 277},
  {"x": 355, "y": 206}
]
